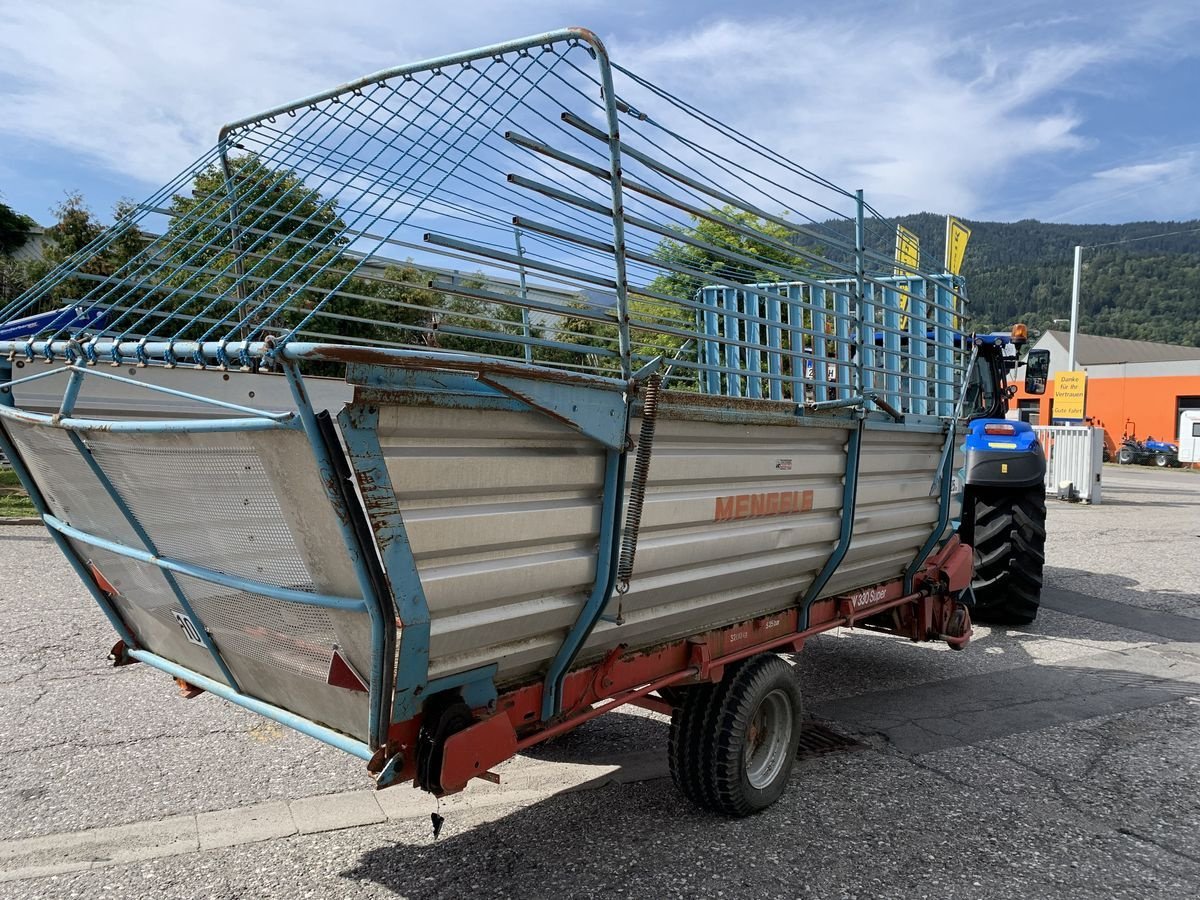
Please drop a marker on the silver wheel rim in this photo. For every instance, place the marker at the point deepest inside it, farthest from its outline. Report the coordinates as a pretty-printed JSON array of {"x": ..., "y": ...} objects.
[{"x": 768, "y": 739}]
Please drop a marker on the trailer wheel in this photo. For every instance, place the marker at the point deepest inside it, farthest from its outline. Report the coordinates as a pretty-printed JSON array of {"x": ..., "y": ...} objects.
[
  {"x": 686, "y": 742},
  {"x": 1009, "y": 537},
  {"x": 757, "y": 715}
]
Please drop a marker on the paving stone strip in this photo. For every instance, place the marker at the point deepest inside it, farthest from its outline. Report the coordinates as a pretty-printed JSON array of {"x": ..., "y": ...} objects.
[{"x": 56, "y": 854}]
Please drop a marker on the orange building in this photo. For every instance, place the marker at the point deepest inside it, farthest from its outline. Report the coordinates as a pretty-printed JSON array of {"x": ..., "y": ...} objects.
[{"x": 1133, "y": 387}]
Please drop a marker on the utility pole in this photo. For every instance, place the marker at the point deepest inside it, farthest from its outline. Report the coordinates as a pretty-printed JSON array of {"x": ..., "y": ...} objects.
[{"x": 1074, "y": 308}]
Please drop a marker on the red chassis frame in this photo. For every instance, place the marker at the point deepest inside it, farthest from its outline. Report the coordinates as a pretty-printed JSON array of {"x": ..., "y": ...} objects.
[{"x": 930, "y": 612}]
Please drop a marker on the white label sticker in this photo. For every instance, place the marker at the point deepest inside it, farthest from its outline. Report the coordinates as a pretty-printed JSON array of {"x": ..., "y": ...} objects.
[{"x": 189, "y": 629}]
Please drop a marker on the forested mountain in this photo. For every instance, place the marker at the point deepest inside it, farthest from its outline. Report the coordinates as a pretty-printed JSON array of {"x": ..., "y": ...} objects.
[{"x": 1146, "y": 289}]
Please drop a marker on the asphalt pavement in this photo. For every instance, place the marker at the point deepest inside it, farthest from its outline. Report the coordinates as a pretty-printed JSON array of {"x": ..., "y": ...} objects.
[{"x": 1057, "y": 760}]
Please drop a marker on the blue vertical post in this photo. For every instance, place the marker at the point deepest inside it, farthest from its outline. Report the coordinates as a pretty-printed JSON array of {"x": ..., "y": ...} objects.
[
  {"x": 918, "y": 348},
  {"x": 360, "y": 430},
  {"x": 774, "y": 344},
  {"x": 752, "y": 308},
  {"x": 712, "y": 345},
  {"x": 868, "y": 353},
  {"x": 891, "y": 347},
  {"x": 841, "y": 317},
  {"x": 733, "y": 356},
  {"x": 525, "y": 329},
  {"x": 860, "y": 295},
  {"x": 609, "y": 97},
  {"x": 820, "y": 347},
  {"x": 796, "y": 341},
  {"x": 944, "y": 338},
  {"x": 602, "y": 586}
]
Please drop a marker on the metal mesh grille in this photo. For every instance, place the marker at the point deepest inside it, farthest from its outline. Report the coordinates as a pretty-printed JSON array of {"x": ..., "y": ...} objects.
[
  {"x": 209, "y": 502},
  {"x": 70, "y": 488},
  {"x": 589, "y": 230},
  {"x": 289, "y": 635}
]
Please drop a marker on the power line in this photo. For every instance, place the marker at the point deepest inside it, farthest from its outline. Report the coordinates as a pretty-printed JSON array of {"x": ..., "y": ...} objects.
[{"x": 1143, "y": 238}]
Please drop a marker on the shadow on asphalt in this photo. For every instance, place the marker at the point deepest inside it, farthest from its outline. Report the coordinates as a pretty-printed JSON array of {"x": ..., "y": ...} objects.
[
  {"x": 647, "y": 835},
  {"x": 1144, "y": 604}
]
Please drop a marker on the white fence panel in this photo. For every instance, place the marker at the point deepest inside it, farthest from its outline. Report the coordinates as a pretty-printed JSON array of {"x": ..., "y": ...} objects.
[{"x": 1074, "y": 455}]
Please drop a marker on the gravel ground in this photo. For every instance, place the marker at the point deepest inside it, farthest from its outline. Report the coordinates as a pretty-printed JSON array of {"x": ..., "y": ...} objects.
[{"x": 1058, "y": 760}]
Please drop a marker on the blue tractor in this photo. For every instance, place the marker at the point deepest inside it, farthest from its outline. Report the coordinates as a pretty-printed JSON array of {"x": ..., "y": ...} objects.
[{"x": 1004, "y": 499}]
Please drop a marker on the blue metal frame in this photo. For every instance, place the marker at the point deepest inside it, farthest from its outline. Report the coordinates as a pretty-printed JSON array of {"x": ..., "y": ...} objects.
[
  {"x": 152, "y": 555},
  {"x": 274, "y": 713},
  {"x": 379, "y": 609},
  {"x": 846, "y": 530},
  {"x": 359, "y": 429},
  {"x": 602, "y": 586},
  {"x": 61, "y": 531},
  {"x": 233, "y": 582},
  {"x": 945, "y": 475}
]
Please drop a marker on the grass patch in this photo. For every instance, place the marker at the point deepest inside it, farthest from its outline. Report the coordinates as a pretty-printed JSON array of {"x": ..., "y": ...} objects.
[{"x": 14, "y": 503}]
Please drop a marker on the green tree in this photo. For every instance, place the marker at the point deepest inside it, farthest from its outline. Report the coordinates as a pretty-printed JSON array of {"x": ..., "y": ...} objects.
[
  {"x": 14, "y": 230},
  {"x": 748, "y": 250}
]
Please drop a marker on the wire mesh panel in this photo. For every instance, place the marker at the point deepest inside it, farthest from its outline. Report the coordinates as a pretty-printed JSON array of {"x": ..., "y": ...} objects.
[{"x": 530, "y": 201}]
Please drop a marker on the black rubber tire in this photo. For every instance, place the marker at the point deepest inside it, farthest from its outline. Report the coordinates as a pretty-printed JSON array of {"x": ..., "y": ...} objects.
[
  {"x": 1162, "y": 460},
  {"x": 736, "y": 701},
  {"x": 1008, "y": 533},
  {"x": 1125, "y": 457},
  {"x": 686, "y": 739}
]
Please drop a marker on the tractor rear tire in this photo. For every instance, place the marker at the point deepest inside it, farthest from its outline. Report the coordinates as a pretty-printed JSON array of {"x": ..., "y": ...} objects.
[
  {"x": 1009, "y": 537},
  {"x": 1126, "y": 457}
]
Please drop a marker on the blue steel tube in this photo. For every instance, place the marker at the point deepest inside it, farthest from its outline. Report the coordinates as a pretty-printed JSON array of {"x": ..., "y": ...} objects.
[
  {"x": 846, "y": 532},
  {"x": 132, "y": 521},
  {"x": 602, "y": 586},
  {"x": 274, "y": 713},
  {"x": 304, "y": 598},
  {"x": 860, "y": 296},
  {"x": 380, "y": 618}
]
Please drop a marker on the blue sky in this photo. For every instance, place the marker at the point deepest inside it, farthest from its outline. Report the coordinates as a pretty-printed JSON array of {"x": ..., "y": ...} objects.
[{"x": 1065, "y": 112}]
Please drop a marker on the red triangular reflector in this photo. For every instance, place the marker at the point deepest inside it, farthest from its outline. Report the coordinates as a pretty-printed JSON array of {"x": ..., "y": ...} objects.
[
  {"x": 342, "y": 674},
  {"x": 101, "y": 582}
]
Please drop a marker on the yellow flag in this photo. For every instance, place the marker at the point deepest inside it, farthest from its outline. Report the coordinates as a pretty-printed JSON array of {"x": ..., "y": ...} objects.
[
  {"x": 957, "y": 235},
  {"x": 908, "y": 251},
  {"x": 908, "y": 257}
]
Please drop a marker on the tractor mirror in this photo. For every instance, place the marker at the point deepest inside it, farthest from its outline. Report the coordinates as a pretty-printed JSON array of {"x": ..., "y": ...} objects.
[{"x": 1037, "y": 371}]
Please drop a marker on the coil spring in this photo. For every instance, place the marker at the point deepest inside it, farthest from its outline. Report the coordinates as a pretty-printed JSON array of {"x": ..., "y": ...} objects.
[{"x": 637, "y": 487}]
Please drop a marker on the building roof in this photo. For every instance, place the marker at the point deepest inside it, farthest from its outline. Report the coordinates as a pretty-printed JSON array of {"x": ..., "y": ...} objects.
[{"x": 1093, "y": 350}]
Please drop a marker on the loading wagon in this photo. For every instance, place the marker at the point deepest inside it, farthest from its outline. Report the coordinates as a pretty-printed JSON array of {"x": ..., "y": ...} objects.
[{"x": 441, "y": 412}]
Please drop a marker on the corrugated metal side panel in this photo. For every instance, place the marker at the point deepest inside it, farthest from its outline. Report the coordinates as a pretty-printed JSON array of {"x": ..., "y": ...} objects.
[
  {"x": 696, "y": 568},
  {"x": 897, "y": 506},
  {"x": 502, "y": 512}
]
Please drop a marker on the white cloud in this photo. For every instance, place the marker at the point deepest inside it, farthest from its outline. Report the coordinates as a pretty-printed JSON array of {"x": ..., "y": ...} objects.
[
  {"x": 1165, "y": 188},
  {"x": 919, "y": 117},
  {"x": 929, "y": 107},
  {"x": 142, "y": 87}
]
